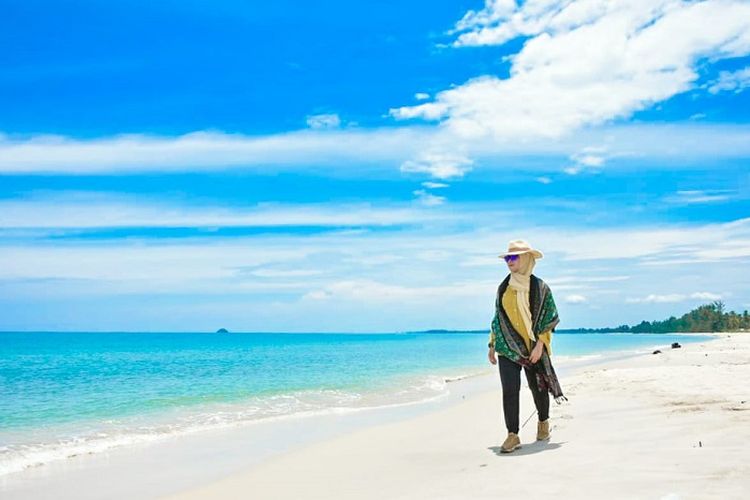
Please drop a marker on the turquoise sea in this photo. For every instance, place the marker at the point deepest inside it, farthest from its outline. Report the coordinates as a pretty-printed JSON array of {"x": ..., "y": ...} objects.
[{"x": 64, "y": 393}]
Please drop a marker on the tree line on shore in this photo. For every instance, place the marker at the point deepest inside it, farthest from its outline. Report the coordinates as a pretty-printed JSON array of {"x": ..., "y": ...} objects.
[{"x": 706, "y": 318}]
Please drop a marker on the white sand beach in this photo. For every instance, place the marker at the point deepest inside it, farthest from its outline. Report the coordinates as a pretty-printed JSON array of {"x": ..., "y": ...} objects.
[{"x": 674, "y": 425}]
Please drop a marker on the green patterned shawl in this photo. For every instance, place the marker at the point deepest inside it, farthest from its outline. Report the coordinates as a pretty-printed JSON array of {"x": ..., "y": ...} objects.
[{"x": 510, "y": 344}]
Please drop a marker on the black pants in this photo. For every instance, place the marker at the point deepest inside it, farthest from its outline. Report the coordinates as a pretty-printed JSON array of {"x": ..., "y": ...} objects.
[{"x": 510, "y": 376}]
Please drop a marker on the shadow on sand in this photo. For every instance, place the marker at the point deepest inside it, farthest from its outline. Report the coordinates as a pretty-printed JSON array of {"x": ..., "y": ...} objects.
[{"x": 527, "y": 449}]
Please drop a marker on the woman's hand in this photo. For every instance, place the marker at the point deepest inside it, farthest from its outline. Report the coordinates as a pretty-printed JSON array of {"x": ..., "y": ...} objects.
[
  {"x": 536, "y": 353},
  {"x": 491, "y": 356}
]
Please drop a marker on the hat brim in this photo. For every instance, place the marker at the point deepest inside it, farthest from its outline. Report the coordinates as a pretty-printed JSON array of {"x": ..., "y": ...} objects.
[{"x": 536, "y": 253}]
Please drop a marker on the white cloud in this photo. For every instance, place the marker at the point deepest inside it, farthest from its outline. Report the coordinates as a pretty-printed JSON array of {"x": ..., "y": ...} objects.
[
  {"x": 364, "y": 151},
  {"x": 434, "y": 274},
  {"x": 324, "y": 121},
  {"x": 687, "y": 197},
  {"x": 494, "y": 12},
  {"x": 653, "y": 246},
  {"x": 206, "y": 151},
  {"x": 705, "y": 296},
  {"x": 434, "y": 185},
  {"x": 588, "y": 159},
  {"x": 181, "y": 268},
  {"x": 487, "y": 225},
  {"x": 734, "y": 81},
  {"x": 438, "y": 165},
  {"x": 100, "y": 210},
  {"x": 376, "y": 291},
  {"x": 575, "y": 299},
  {"x": 674, "y": 297},
  {"x": 585, "y": 63},
  {"x": 561, "y": 280},
  {"x": 544, "y": 180},
  {"x": 428, "y": 199},
  {"x": 421, "y": 96}
]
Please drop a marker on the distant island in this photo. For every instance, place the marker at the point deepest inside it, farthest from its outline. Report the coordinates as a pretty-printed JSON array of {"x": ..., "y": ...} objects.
[
  {"x": 706, "y": 318},
  {"x": 222, "y": 330}
]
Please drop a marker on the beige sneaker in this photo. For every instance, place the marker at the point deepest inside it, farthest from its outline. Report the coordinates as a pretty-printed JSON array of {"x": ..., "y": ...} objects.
[
  {"x": 511, "y": 443},
  {"x": 542, "y": 430}
]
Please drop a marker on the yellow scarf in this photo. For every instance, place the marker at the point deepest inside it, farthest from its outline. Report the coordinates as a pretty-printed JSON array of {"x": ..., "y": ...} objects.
[{"x": 520, "y": 281}]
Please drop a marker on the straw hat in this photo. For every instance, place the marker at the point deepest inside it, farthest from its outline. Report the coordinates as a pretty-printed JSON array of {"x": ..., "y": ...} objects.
[{"x": 517, "y": 247}]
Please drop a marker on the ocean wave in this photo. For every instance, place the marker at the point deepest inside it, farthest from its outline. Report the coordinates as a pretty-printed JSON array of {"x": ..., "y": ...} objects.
[
  {"x": 39, "y": 447},
  {"x": 457, "y": 378}
]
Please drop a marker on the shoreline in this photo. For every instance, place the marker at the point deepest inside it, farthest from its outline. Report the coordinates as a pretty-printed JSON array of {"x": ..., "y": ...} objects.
[
  {"x": 153, "y": 469},
  {"x": 212, "y": 456}
]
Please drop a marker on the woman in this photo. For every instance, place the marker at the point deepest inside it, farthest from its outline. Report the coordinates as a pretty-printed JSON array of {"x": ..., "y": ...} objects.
[{"x": 521, "y": 334}]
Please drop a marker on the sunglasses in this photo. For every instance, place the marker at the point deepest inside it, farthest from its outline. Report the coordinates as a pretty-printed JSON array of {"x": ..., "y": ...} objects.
[{"x": 511, "y": 258}]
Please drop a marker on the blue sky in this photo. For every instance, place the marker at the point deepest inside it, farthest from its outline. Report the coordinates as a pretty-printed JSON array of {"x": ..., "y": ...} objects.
[{"x": 340, "y": 167}]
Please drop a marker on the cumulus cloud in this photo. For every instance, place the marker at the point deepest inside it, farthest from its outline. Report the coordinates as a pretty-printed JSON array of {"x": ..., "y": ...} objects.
[
  {"x": 589, "y": 159},
  {"x": 439, "y": 165},
  {"x": 731, "y": 81},
  {"x": 585, "y": 62}
]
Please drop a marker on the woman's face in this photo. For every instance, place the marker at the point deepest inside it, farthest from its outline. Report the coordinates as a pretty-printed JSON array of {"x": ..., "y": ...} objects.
[{"x": 514, "y": 265}]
